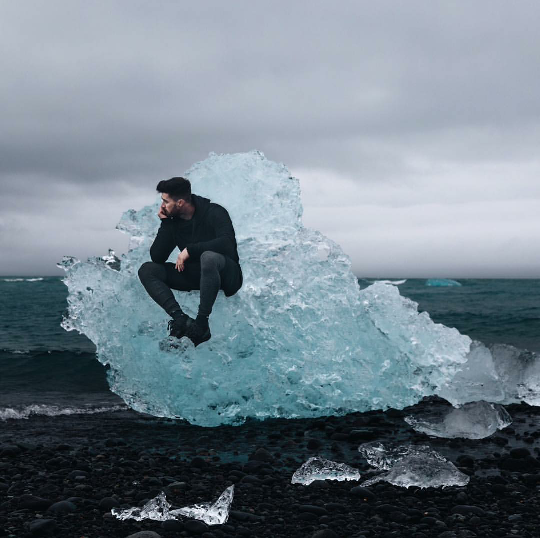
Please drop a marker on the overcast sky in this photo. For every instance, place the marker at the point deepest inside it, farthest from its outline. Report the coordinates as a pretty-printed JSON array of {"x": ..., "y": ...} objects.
[{"x": 414, "y": 127}]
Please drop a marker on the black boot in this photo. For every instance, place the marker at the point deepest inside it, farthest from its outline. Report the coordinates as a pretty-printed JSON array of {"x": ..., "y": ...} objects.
[
  {"x": 198, "y": 333},
  {"x": 178, "y": 326}
]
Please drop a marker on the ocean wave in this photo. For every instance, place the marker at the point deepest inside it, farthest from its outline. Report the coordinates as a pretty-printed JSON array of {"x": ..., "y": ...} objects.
[
  {"x": 393, "y": 282},
  {"x": 52, "y": 411},
  {"x": 37, "y": 279}
]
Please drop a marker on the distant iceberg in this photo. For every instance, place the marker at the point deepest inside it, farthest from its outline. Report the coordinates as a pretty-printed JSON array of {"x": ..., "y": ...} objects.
[
  {"x": 442, "y": 282},
  {"x": 300, "y": 339}
]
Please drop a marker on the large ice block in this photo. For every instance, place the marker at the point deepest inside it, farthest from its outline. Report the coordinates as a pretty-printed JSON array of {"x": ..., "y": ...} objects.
[{"x": 300, "y": 339}]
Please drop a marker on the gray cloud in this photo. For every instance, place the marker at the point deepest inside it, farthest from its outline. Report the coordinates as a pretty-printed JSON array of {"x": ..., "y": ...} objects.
[{"x": 401, "y": 104}]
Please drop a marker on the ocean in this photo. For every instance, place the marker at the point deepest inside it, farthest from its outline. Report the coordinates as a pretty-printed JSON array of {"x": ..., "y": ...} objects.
[{"x": 47, "y": 370}]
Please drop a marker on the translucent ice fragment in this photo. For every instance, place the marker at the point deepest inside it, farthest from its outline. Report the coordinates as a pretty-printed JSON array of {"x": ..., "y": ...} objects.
[
  {"x": 412, "y": 466},
  {"x": 497, "y": 373},
  {"x": 321, "y": 469},
  {"x": 382, "y": 457},
  {"x": 442, "y": 282},
  {"x": 212, "y": 514},
  {"x": 474, "y": 420},
  {"x": 112, "y": 260},
  {"x": 157, "y": 509}
]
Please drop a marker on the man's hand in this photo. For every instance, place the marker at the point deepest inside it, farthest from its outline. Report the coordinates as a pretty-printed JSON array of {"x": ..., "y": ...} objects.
[
  {"x": 182, "y": 258},
  {"x": 160, "y": 214}
]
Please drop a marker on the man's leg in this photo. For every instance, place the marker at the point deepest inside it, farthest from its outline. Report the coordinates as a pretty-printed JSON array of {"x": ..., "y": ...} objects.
[
  {"x": 158, "y": 279},
  {"x": 212, "y": 264}
]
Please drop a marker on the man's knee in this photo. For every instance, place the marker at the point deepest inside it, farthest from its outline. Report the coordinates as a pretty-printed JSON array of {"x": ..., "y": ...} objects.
[
  {"x": 211, "y": 260},
  {"x": 148, "y": 269}
]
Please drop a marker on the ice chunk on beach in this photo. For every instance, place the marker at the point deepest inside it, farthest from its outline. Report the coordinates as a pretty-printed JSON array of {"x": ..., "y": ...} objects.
[
  {"x": 475, "y": 420},
  {"x": 382, "y": 457},
  {"x": 498, "y": 373},
  {"x": 216, "y": 513},
  {"x": 320, "y": 469},
  {"x": 159, "y": 509},
  {"x": 442, "y": 282},
  {"x": 300, "y": 339},
  {"x": 407, "y": 466}
]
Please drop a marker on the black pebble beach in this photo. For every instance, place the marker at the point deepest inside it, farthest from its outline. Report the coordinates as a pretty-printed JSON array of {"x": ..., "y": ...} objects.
[{"x": 60, "y": 476}]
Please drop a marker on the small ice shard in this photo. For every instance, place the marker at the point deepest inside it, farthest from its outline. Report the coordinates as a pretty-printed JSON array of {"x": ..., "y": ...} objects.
[
  {"x": 442, "y": 282},
  {"x": 417, "y": 466},
  {"x": 157, "y": 509},
  {"x": 321, "y": 469},
  {"x": 112, "y": 260},
  {"x": 211, "y": 514},
  {"x": 475, "y": 420}
]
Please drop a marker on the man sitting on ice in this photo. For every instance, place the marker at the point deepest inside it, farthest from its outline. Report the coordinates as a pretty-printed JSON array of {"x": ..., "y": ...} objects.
[{"x": 208, "y": 259}]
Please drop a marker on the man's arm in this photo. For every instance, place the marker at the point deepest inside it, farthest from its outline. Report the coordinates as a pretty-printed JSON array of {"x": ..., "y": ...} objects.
[
  {"x": 164, "y": 242},
  {"x": 224, "y": 240}
]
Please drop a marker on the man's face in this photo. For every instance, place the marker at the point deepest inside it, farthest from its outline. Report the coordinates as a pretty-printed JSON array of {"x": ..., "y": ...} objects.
[{"x": 169, "y": 206}]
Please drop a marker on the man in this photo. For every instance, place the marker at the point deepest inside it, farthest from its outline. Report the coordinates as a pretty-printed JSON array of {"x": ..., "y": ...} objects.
[{"x": 208, "y": 259}]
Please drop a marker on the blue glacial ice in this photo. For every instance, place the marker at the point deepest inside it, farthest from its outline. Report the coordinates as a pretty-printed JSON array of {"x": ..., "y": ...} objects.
[
  {"x": 300, "y": 339},
  {"x": 442, "y": 282}
]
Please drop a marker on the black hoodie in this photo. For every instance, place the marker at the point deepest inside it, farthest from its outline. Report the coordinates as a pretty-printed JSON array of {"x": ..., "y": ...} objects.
[{"x": 210, "y": 228}]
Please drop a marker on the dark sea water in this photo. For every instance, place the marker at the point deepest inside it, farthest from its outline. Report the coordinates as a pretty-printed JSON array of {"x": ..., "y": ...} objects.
[{"x": 46, "y": 370}]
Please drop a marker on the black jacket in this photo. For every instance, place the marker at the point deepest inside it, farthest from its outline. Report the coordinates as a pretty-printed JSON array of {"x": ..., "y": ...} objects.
[{"x": 210, "y": 228}]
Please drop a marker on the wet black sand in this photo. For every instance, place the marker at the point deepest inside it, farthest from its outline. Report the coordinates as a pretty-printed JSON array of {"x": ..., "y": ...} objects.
[{"x": 124, "y": 458}]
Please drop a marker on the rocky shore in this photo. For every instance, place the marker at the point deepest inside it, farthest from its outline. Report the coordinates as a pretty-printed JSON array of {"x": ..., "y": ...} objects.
[{"x": 61, "y": 476}]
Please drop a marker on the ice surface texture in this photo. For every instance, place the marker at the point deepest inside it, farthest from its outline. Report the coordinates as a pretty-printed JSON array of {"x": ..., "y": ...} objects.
[
  {"x": 407, "y": 466},
  {"x": 475, "y": 420},
  {"x": 298, "y": 340},
  {"x": 159, "y": 509},
  {"x": 321, "y": 469}
]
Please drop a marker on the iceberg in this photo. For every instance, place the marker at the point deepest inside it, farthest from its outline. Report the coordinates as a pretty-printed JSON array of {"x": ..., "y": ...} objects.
[
  {"x": 300, "y": 338},
  {"x": 159, "y": 509},
  {"x": 475, "y": 420},
  {"x": 407, "y": 466},
  {"x": 320, "y": 469},
  {"x": 442, "y": 282}
]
